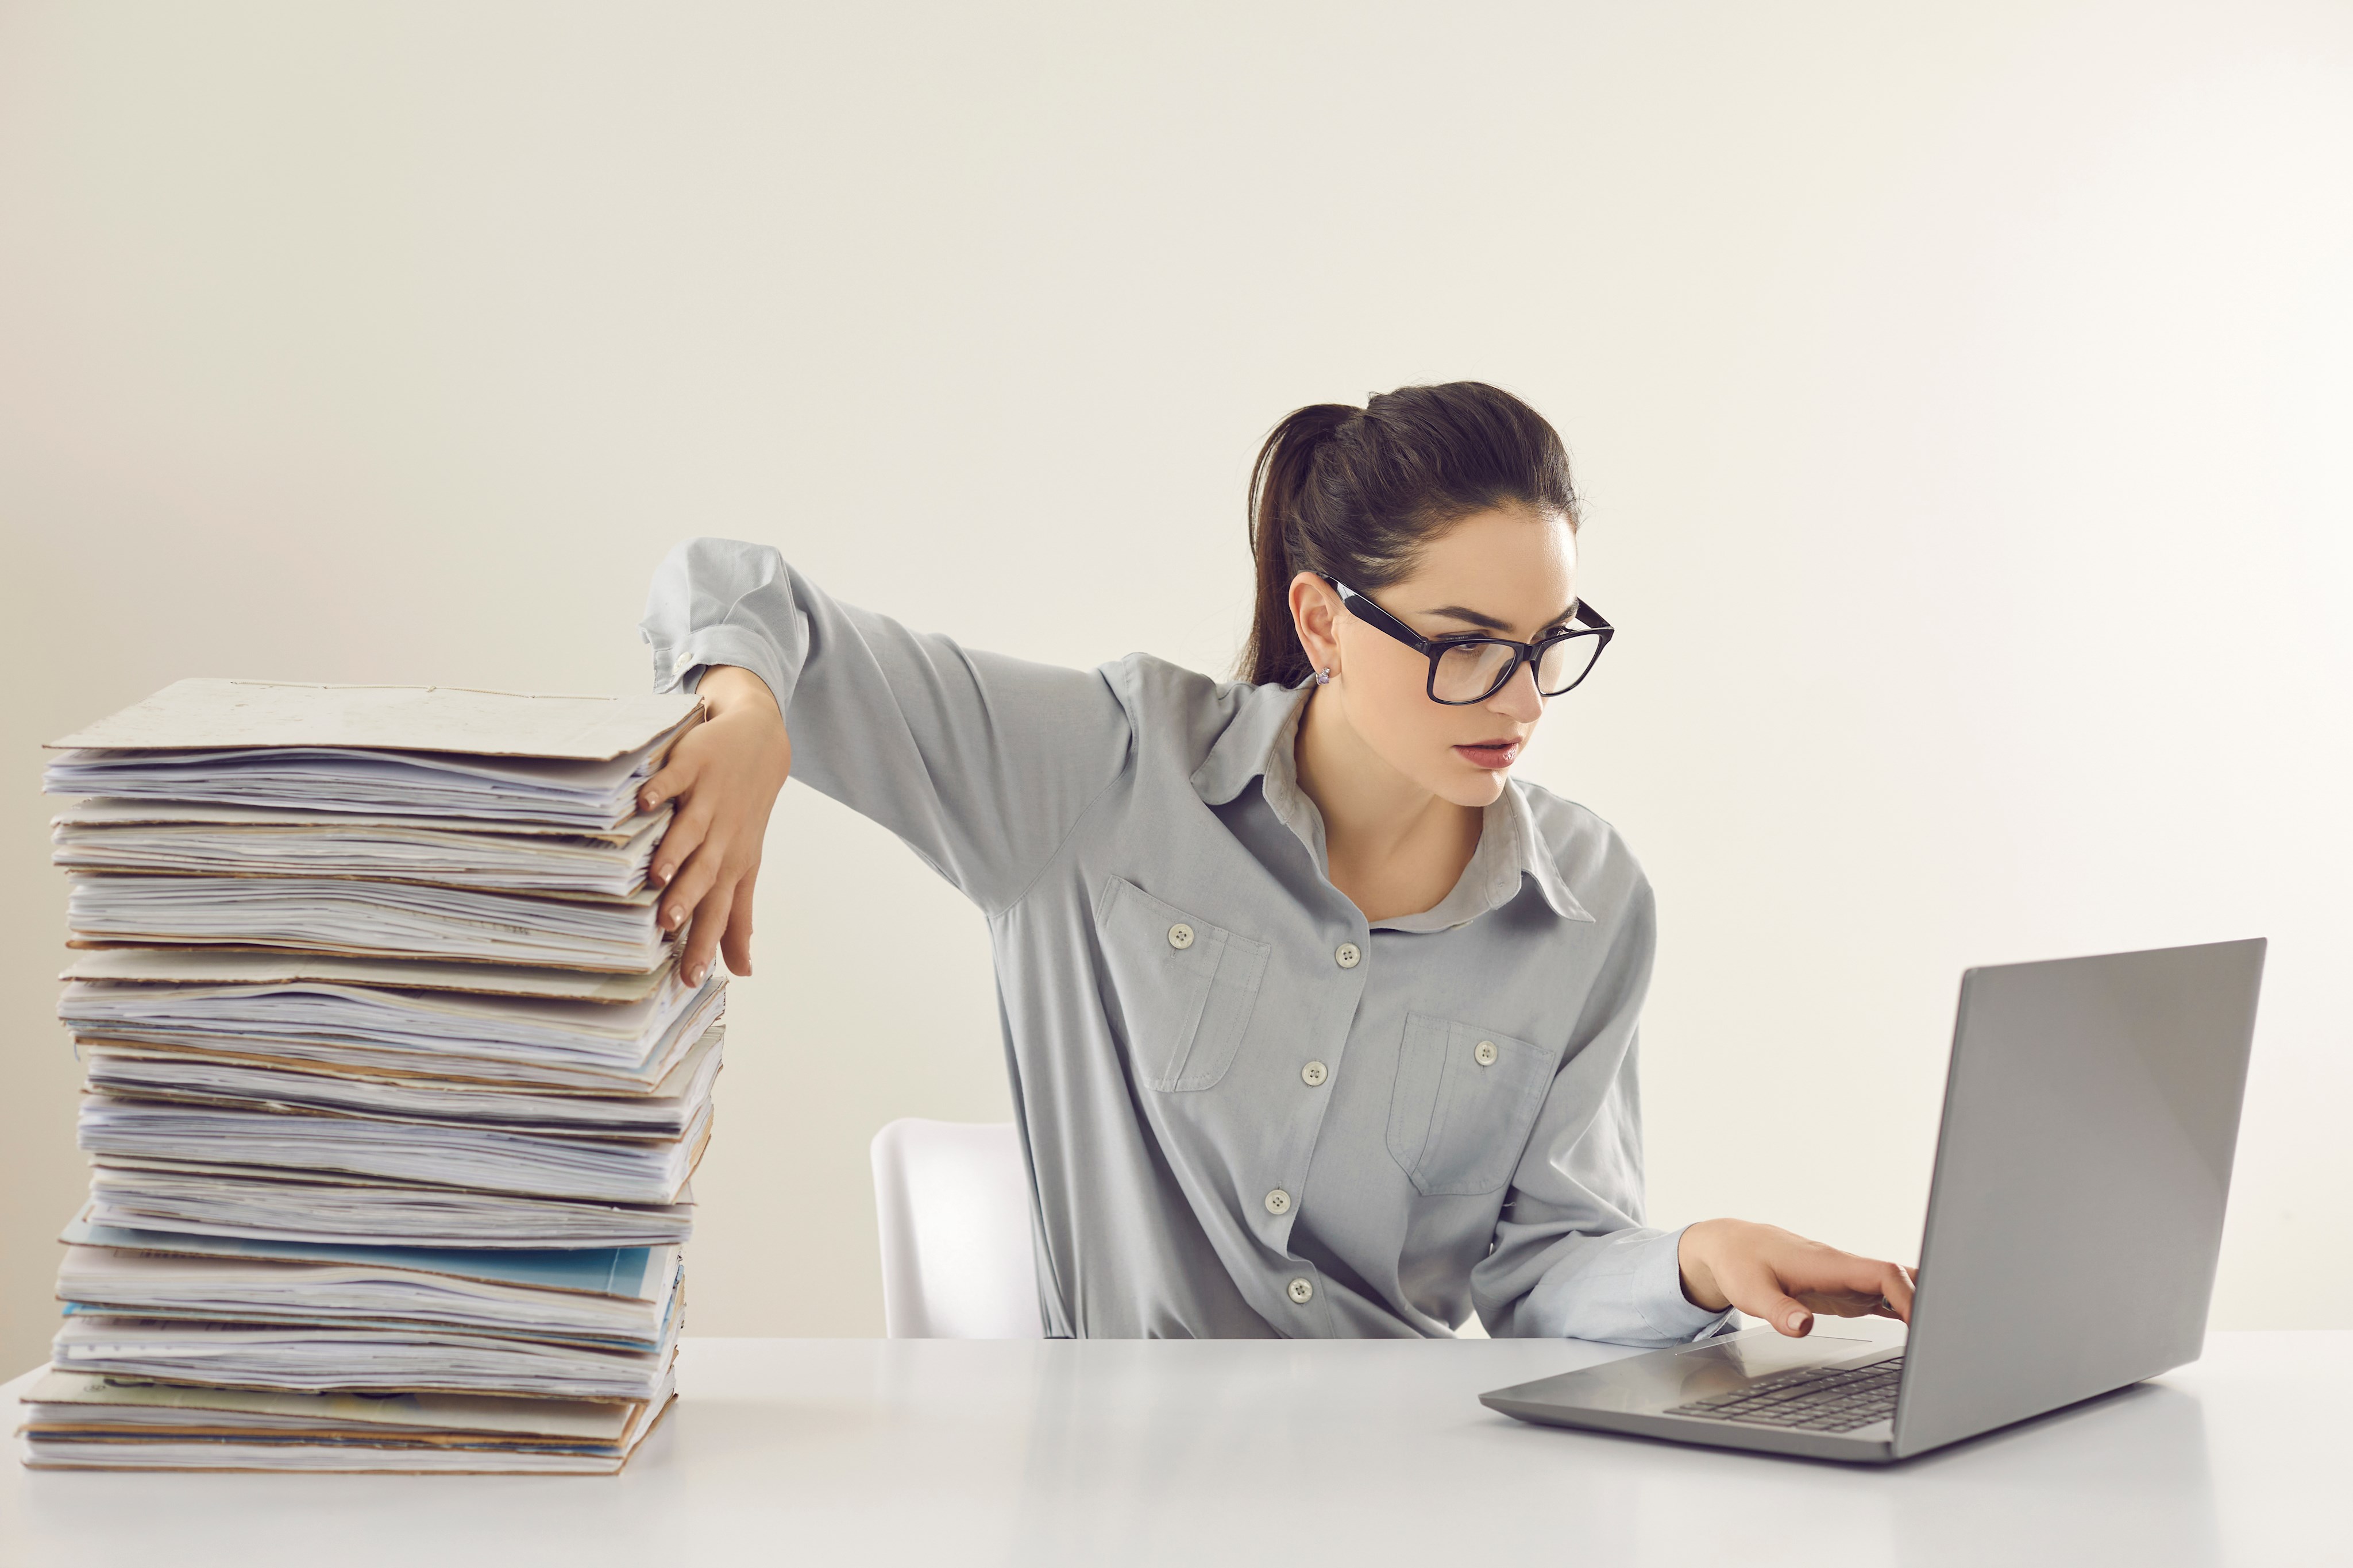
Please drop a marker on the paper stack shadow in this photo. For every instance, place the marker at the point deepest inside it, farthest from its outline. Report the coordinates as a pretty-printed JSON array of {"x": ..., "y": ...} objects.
[{"x": 392, "y": 1089}]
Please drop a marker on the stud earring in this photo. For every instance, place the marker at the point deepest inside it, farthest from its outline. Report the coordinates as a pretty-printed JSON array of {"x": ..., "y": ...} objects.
[{"x": 1324, "y": 676}]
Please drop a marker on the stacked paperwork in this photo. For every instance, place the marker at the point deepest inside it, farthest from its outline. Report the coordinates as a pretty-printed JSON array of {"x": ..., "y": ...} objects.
[
  {"x": 525, "y": 791},
  {"x": 393, "y": 1091},
  {"x": 128, "y": 835}
]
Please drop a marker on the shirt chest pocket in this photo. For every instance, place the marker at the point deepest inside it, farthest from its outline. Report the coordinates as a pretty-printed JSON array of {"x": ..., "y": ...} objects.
[
  {"x": 1463, "y": 1102},
  {"x": 1185, "y": 988}
]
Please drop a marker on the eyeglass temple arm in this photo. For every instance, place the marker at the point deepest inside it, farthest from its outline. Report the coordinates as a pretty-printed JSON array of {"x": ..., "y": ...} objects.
[{"x": 1363, "y": 609}]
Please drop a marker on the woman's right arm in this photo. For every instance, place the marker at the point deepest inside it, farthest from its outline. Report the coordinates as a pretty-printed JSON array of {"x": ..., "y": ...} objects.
[{"x": 981, "y": 763}]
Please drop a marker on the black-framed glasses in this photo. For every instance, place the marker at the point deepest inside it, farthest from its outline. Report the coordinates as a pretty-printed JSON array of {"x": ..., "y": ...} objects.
[{"x": 1471, "y": 670}]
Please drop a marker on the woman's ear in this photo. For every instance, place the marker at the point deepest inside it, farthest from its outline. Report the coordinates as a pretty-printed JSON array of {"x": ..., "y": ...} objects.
[{"x": 1315, "y": 611}]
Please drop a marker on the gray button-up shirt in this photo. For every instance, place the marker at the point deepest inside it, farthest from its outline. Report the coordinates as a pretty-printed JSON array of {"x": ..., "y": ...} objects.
[{"x": 1171, "y": 955}]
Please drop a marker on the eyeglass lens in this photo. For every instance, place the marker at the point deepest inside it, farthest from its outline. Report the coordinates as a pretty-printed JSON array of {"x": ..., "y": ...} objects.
[{"x": 1469, "y": 671}]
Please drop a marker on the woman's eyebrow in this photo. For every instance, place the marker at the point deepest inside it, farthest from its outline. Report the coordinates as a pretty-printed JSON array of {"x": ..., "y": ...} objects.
[{"x": 1488, "y": 623}]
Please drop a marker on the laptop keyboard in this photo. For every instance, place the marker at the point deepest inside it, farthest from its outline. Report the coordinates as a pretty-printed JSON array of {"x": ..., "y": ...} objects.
[{"x": 1810, "y": 1399}]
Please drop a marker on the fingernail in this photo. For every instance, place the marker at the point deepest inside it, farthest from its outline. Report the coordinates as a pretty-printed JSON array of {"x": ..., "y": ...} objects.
[
  {"x": 670, "y": 918},
  {"x": 695, "y": 975},
  {"x": 1797, "y": 1322}
]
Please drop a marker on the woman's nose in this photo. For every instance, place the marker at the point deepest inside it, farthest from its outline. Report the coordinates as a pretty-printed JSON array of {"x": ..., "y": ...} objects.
[{"x": 1519, "y": 699}]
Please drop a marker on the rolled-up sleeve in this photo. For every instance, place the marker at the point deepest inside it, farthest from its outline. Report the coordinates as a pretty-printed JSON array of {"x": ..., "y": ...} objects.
[
  {"x": 1572, "y": 1257},
  {"x": 981, "y": 763}
]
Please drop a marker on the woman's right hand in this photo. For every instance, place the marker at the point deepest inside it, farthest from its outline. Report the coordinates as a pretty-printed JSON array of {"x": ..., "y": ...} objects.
[{"x": 724, "y": 774}]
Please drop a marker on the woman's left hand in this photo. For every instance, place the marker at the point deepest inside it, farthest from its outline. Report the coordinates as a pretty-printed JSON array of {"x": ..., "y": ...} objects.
[{"x": 1770, "y": 1273}]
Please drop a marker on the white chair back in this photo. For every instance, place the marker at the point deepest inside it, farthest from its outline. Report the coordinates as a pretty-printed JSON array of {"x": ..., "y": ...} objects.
[{"x": 954, "y": 1201}]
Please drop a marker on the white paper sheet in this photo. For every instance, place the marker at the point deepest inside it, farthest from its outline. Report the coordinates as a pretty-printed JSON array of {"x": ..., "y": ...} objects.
[{"x": 207, "y": 712}]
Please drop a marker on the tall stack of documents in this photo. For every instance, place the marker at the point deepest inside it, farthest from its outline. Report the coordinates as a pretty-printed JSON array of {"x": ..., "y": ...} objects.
[{"x": 393, "y": 1087}]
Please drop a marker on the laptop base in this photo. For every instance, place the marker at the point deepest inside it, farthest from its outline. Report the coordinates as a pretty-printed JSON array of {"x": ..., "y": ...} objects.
[{"x": 1634, "y": 1396}]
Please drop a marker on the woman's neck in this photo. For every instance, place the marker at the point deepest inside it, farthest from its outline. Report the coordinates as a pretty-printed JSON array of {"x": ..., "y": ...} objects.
[{"x": 1393, "y": 847}]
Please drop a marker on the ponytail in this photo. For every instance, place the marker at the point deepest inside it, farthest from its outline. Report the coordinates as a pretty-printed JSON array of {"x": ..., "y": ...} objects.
[
  {"x": 1281, "y": 482},
  {"x": 1357, "y": 493}
]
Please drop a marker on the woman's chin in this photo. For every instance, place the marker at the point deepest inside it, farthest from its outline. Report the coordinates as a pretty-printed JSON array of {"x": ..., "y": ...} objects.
[{"x": 1476, "y": 788}]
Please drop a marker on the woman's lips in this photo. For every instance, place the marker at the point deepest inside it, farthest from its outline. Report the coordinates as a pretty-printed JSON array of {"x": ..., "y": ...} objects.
[{"x": 1491, "y": 754}]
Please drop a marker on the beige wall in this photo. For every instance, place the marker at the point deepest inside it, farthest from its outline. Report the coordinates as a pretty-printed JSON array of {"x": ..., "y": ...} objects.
[{"x": 1961, "y": 393}]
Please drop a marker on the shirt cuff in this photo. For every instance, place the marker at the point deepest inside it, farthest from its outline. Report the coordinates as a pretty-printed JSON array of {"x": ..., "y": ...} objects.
[
  {"x": 1658, "y": 1281},
  {"x": 725, "y": 645}
]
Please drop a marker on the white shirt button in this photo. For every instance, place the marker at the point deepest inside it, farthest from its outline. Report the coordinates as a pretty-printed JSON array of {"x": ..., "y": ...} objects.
[
  {"x": 1484, "y": 1053},
  {"x": 1278, "y": 1202},
  {"x": 1313, "y": 1074},
  {"x": 1348, "y": 955},
  {"x": 1180, "y": 936},
  {"x": 1301, "y": 1291}
]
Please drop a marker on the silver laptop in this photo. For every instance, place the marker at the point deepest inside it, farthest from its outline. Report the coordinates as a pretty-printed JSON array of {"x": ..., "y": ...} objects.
[{"x": 2091, "y": 1109}]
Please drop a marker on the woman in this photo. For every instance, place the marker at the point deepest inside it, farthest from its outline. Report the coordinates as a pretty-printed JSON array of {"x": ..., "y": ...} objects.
[{"x": 1321, "y": 1023}]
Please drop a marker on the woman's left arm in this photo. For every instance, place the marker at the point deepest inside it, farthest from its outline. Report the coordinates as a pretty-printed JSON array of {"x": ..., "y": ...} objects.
[{"x": 1573, "y": 1259}]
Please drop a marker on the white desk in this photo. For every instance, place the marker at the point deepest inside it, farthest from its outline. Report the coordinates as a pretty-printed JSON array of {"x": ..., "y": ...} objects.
[{"x": 955, "y": 1453}]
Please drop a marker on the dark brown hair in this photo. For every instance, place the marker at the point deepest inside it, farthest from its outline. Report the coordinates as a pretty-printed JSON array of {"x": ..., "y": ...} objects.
[{"x": 1357, "y": 493}]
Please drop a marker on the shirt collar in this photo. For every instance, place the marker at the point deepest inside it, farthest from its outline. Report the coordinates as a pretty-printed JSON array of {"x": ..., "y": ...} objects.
[
  {"x": 1240, "y": 753},
  {"x": 1256, "y": 745}
]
